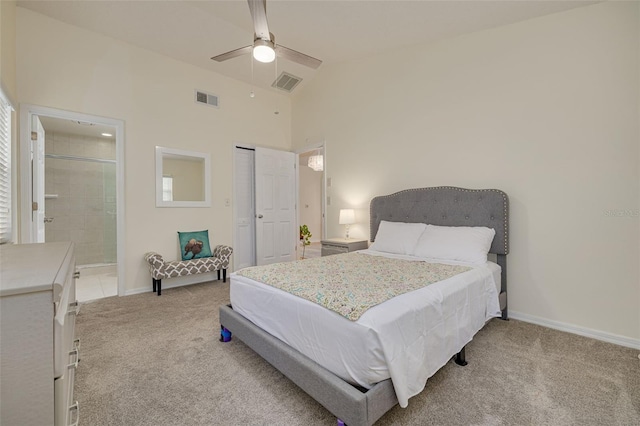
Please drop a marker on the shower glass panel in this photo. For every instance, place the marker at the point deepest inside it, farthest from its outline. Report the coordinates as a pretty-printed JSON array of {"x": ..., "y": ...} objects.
[{"x": 80, "y": 205}]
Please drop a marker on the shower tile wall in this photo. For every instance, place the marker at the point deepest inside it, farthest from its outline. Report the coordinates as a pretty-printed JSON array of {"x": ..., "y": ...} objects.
[{"x": 85, "y": 208}]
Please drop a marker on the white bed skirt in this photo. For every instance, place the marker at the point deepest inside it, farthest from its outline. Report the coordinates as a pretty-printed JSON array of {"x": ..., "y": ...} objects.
[{"x": 407, "y": 338}]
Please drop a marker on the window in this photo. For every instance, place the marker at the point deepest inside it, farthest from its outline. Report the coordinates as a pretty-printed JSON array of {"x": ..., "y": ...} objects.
[{"x": 5, "y": 171}]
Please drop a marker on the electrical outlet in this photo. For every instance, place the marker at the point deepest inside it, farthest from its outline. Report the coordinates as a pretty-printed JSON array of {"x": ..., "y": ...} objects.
[
  {"x": 328, "y": 200},
  {"x": 328, "y": 182}
]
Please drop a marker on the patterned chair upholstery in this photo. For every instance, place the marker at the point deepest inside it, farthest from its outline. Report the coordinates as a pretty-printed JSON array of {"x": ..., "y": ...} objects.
[{"x": 160, "y": 269}]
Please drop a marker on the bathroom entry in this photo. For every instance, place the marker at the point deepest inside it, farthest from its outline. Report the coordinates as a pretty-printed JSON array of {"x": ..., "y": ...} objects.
[
  {"x": 74, "y": 194},
  {"x": 80, "y": 199}
]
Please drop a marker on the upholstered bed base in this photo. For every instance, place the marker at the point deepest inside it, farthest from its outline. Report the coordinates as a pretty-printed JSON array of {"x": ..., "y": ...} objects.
[
  {"x": 353, "y": 406},
  {"x": 445, "y": 206}
]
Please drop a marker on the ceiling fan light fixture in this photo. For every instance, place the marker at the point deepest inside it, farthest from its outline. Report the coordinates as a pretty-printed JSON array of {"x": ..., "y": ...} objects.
[{"x": 264, "y": 51}]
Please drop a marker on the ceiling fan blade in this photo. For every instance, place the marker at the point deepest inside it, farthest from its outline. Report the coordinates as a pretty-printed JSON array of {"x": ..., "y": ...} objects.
[
  {"x": 233, "y": 53},
  {"x": 295, "y": 56},
  {"x": 258, "y": 10}
]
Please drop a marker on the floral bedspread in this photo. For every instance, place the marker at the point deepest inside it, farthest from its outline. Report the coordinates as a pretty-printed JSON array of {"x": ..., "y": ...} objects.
[{"x": 351, "y": 283}]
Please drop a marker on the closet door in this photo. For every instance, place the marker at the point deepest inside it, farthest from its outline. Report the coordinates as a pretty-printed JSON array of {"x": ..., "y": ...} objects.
[
  {"x": 244, "y": 239},
  {"x": 275, "y": 206}
]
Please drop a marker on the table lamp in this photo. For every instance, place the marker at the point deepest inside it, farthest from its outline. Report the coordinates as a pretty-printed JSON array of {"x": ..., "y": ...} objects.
[{"x": 347, "y": 217}]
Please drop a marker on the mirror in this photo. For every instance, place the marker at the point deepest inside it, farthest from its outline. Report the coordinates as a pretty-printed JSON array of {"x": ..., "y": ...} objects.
[{"x": 183, "y": 178}]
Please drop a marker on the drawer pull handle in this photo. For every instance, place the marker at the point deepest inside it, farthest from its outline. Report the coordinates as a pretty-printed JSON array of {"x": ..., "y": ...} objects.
[
  {"x": 75, "y": 311},
  {"x": 74, "y": 354},
  {"x": 74, "y": 408}
]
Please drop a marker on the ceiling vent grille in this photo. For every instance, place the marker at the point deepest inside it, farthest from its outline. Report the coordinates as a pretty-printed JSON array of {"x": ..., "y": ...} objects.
[
  {"x": 207, "y": 99},
  {"x": 286, "y": 82}
]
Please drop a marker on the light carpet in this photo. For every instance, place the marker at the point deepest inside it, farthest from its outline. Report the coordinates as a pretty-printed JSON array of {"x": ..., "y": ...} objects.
[{"x": 149, "y": 360}]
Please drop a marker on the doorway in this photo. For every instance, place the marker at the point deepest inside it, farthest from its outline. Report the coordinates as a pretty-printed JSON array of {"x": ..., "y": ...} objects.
[
  {"x": 265, "y": 218},
  {"x": 73, "y": 171},
  {"x": 310, "y": 199},
  {"x": 251, "y": 184}
]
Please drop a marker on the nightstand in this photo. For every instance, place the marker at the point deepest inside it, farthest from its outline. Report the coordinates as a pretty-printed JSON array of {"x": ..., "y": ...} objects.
[{"x": 342, "y": 245}]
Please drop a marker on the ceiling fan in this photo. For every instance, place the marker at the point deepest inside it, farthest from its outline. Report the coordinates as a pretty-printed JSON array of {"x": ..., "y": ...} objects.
[{"x": 264, "y": 47}]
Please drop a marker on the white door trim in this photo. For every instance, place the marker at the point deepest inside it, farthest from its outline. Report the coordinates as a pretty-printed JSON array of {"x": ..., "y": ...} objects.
[
  {"x": 37, "y": 175},
  {"x": 319, "y": 145},
  {"x": 26, "y": 235}
]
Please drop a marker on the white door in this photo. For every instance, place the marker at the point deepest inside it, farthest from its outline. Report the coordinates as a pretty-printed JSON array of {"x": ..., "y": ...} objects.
[
  {"x": 37, "y": 170},
  {"x": 244, "y": 237},
  {"x": 275, "y": 206}
]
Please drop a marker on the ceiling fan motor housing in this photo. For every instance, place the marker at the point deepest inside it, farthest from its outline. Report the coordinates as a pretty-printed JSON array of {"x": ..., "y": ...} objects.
[{"x": 264, "y": 47}]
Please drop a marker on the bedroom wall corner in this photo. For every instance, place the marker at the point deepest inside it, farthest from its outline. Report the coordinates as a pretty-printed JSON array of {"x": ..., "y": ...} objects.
[
  {"x": 65, "y": 67},
  {"x": 8, "y": 48},
  {"x": 547, "y": 110}
]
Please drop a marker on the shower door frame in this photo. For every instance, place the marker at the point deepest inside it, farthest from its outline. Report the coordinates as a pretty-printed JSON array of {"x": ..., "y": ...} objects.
[{"x": 27, "y": 111}]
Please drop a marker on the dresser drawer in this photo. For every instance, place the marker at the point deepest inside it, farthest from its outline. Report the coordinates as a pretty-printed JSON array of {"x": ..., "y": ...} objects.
[
  {"x": 64, "y": 324},
  {"x": 66, "y": 410}
]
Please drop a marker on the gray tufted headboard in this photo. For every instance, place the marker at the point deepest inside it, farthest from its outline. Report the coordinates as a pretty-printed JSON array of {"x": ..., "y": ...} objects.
[
  {"x": 447, "y": 206},
  {"x": 451, "y": 206}
]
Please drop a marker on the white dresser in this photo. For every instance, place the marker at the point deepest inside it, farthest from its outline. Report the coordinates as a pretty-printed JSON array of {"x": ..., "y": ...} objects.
[{"x": 38, "y": 349}]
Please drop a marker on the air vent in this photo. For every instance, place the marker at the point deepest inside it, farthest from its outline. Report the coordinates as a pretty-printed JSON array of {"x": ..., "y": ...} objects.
[
  {"x": 286, "y": 82},
  {"x": 207, "y": 98}
]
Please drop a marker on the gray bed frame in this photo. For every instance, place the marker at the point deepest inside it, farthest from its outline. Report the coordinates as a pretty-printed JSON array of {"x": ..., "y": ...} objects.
[{"x": 445, "y": 206}]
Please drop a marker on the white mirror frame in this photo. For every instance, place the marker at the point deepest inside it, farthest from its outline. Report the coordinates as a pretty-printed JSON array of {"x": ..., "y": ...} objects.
[{"x": 160, "y": 153}]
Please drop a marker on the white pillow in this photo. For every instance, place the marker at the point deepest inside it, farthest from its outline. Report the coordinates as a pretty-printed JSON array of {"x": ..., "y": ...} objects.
[
  {"x": 459, "y": 243},
  {"x": 397, "y": 237}
]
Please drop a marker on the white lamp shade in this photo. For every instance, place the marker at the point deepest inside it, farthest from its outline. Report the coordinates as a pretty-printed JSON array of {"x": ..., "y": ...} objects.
[{"x": 347, "y": 217}]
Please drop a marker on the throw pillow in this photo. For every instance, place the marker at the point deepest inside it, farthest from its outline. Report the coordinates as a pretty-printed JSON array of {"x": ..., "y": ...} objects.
[
  {"x": 397, "y": 237},
  {"x": 468, "y": 244},
  {"x": 194, "y": 245}
]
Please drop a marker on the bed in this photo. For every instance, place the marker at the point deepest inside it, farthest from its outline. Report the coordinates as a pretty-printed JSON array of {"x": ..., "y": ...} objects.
[{"x": 361, "y": 390}]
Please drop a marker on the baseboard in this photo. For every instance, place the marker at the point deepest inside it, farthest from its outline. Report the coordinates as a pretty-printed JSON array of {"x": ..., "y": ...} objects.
[
  {"x": 137, "y": 291},
  {"x": 168, "y": 283},
  {"x": 574, "y": 329}
]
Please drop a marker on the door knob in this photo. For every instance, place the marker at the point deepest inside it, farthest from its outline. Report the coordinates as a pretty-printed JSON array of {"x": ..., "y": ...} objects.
[
  {"x": 260, "y": 216},
  {"x": 48, "y": 219}
]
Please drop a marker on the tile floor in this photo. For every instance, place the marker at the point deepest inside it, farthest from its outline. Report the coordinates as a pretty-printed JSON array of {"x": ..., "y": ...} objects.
[{"x": 96, "y": 283}]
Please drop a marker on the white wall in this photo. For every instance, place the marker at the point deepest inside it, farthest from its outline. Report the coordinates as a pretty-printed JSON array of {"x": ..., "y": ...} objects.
[
  {"x": 8, "y": 48},
  {"x": 546, "y": 110},
  {"x": 65, "y": 67}
]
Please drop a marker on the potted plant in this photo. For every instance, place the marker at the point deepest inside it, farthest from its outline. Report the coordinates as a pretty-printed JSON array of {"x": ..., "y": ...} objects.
[{"x": 305, "y": 237}]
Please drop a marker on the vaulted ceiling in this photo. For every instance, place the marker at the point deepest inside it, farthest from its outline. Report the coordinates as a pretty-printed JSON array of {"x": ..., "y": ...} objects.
[{"x": 333, "y": 31}]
